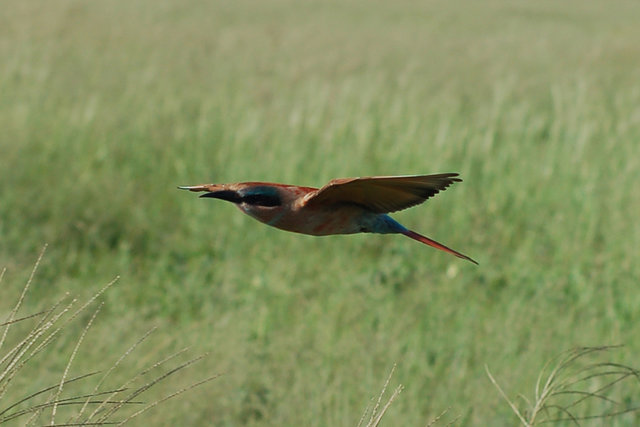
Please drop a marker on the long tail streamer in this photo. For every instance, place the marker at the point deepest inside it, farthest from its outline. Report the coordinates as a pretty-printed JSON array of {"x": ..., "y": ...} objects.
[{"x": 433, "y": 243}]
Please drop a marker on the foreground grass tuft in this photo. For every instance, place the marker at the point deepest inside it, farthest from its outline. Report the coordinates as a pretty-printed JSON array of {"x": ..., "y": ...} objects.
[
  {"x": 373, "y": 414},
  {"x": 579, "y": 386},
  {"x": 84, "y": 399}
]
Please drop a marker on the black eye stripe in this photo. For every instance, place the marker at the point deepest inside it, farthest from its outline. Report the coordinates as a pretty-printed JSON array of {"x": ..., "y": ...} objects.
[{"x": 262, "y": 200}]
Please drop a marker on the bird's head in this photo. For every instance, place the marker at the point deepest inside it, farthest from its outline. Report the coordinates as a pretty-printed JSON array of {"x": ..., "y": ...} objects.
[{"x": 257, "y": 199}]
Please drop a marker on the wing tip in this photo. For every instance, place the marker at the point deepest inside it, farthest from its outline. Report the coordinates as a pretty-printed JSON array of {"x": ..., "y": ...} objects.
[{"x": 451, "y": 176}]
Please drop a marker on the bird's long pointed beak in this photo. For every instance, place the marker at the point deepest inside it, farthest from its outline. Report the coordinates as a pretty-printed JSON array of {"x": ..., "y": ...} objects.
[
  {"x": 228, "y": 195},
  {"x": 194, "y": 187},
  {"x": 215, "y": 191}
]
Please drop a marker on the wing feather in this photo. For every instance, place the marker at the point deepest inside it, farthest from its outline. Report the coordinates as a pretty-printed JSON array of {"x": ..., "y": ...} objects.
[{"x": 382, "y": 194}]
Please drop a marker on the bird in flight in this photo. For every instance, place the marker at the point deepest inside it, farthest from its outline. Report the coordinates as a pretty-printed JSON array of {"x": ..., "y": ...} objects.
[{"x": 343, "y": 206}]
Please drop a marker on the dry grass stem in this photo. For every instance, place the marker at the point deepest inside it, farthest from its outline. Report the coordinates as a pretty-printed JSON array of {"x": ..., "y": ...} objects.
[{"x": 376, "y": 413}]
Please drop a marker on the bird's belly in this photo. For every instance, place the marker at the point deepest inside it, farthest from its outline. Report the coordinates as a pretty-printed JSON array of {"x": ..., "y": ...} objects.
[{"x": 319, "y": 222}]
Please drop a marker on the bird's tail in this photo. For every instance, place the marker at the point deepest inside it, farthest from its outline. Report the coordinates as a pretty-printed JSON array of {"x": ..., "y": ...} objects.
[{"x": 433, "y": 243}]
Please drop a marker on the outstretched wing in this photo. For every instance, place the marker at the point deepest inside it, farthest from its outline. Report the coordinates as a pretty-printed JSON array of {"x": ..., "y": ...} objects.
[{"x": 382, "y": 194}]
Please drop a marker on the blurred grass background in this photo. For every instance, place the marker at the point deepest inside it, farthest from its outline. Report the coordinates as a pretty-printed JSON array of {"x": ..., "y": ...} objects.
[{"x": 107, "y": 106}]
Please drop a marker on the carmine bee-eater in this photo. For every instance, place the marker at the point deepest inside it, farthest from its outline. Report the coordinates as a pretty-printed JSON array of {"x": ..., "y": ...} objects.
[{"x": 343, "y": 206}]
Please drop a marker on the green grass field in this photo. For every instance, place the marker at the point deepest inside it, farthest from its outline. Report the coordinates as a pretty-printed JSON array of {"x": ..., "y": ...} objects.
[{"x": 107, "y": 106}]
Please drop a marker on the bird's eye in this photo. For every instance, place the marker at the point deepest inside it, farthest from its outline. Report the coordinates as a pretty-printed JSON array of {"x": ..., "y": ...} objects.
[{"x": 268, "y": 200}]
